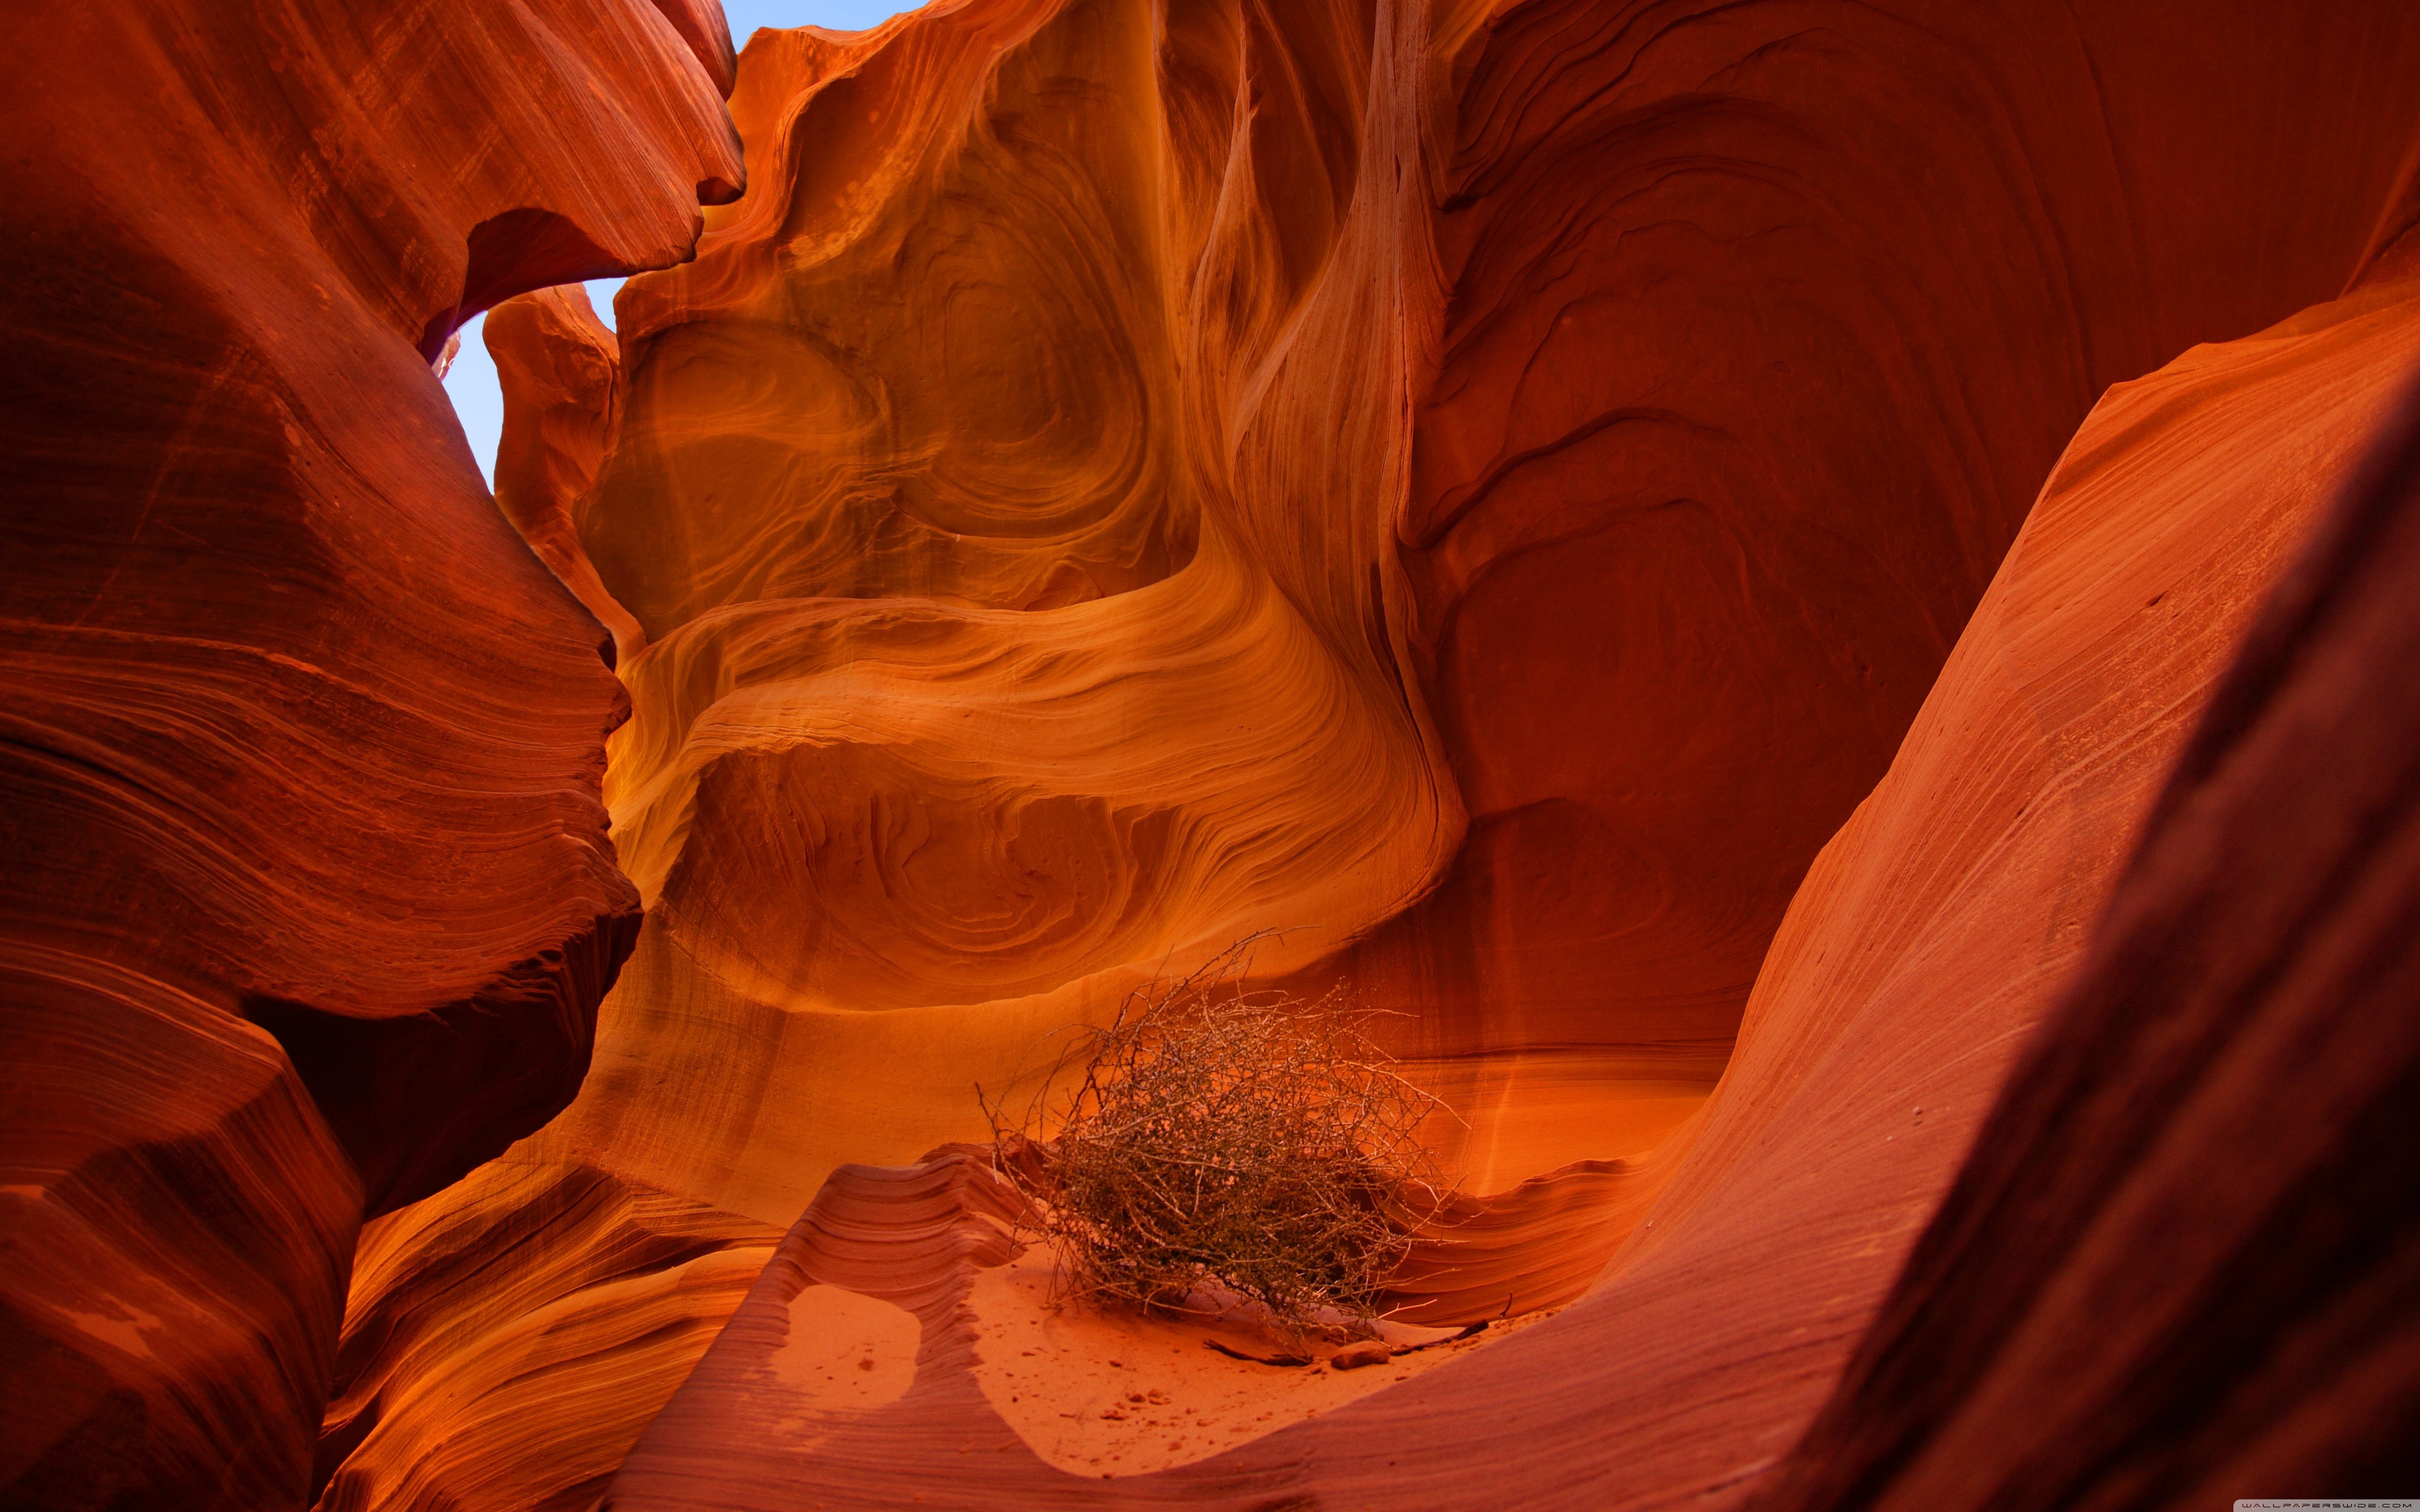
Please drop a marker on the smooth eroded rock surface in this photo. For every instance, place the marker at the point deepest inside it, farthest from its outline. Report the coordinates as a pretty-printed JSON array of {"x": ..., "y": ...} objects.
[
  {"x": 1934, "y": 933},
  {"x": 1480, "y": 490},
  {"x": 1763, "y": 324},
  {"x": 2182, "y": 1263},
  {"x": 310, "y": 897}
]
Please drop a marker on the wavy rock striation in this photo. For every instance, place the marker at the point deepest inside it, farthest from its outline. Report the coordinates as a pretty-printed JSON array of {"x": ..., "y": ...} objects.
[
  {"x": 1482, "y": 489},
  {"x": 1931, "y": 934},
  {"x": 610, "y": 1288},
  {"x": 310, "y": 896},
  {"x": 970, "y": 622},
  {"x": 2153, "y": 1287},
  {"x": 1763, "y": 324}
]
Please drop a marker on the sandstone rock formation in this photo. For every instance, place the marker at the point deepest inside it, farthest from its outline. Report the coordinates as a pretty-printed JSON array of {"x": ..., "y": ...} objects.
[
  {"x": 2154, "y": 1285},
  {"x": 1933, "y": 932},
  {"x": 309, "y": 897},
  {"x": 1566, "y": 518},
  {"x": 564, "y": 370},
  {"x": 1134, "y": 475},
  {"x": 1763, "y": 325}
]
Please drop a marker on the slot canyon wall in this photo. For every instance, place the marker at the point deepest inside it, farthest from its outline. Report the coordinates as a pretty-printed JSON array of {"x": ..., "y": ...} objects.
[
  {"x": 2147, "y": 1287},
  {"x": 1485, "y": 493},
  {"x": 310, "y": 900},
  {"x": 1671, "y": 547},
  {"x": 1931, "y": 935}
]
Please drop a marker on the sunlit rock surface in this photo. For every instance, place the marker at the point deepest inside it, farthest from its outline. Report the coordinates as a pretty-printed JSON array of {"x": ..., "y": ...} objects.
[
  {"x": 1931, "y": 934},
  {"x": 1566, "y": 520},
  {"x": 1485, "y": 495},
  {"x": 309, "y": 899}
]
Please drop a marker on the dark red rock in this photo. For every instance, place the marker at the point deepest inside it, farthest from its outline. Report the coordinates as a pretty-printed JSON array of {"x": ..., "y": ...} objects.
[
  {"x": 2183, "y": 1264},
  {"x": 1765, "y": 323}
]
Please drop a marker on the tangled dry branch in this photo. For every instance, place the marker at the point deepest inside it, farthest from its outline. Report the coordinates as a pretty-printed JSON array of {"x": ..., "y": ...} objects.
[{"x": 1223, "y": 1139}]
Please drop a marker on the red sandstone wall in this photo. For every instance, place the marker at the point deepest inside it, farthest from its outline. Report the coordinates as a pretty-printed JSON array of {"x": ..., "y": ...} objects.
[
  {"x": 309, "y": 897},
  {"x": 1483, "y": 489},
  {"x": 1071, "y": 526},
  {"x": 1932, "y": 934},
  {"x": 2179, "y": 1267},
  {"x": 1763, "y": 324}
]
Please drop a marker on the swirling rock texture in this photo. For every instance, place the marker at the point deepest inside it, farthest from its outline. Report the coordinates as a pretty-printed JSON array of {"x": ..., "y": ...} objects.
[
  {"x": 970, "y": 702},
  {"x": 309, "y": 897},
  {"x": 1482, "y": 489},
  {"x": 1929, "y": 935},
  {"x": 1764, "y": 324},
  {"x": 1474, "y": 494}
]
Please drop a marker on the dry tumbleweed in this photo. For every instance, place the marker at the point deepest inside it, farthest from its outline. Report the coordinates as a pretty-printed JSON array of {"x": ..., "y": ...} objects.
[{"x": 1219, "y": 1138}]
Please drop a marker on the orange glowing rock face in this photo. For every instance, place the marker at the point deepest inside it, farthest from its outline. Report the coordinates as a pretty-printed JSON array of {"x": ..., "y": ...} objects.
[
  {"x": 1931, "y": 934},
  {"x": 1565, "y": 518},
  {"x": 992, "y": 655},
  {"x": 2151, "y": 1282},
  {"x": 310, "y": 897},
  {"x": 1486, "y": 494}
]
